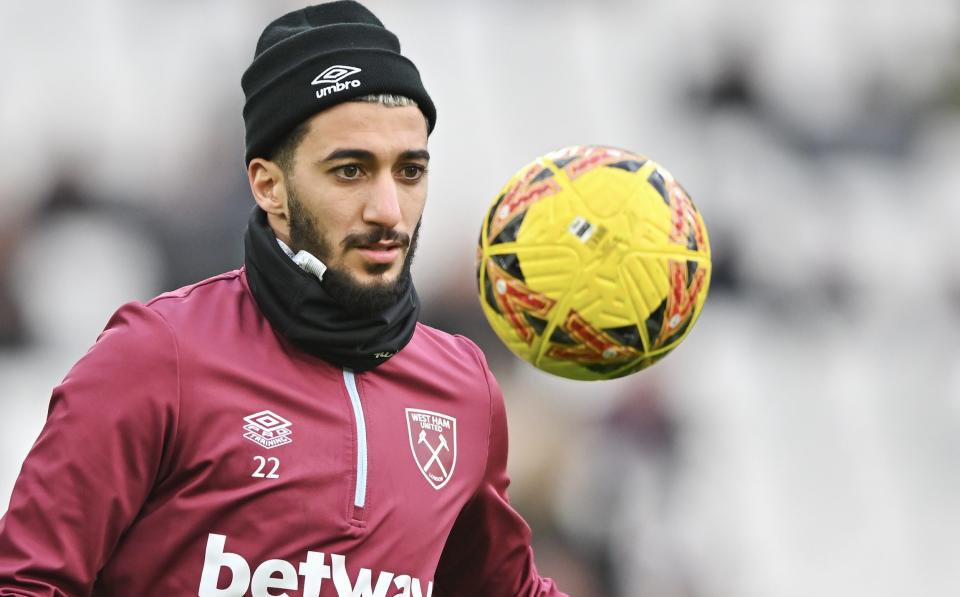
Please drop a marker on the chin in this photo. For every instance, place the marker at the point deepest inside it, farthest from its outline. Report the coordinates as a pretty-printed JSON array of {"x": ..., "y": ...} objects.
[
  {"x": 359, "y": 290},
  {"x": 377, "y": 278},
  {"x": 378, "y": 273},
  {"x": 372, "y": 274}
]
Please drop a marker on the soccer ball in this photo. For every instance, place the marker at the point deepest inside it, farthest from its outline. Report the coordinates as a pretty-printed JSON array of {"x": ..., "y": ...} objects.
[{"x": 593, "y": 263}]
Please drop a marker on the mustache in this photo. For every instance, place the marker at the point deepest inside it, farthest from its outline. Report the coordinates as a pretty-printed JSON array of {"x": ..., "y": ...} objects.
[{"x": 358, "y": 240}]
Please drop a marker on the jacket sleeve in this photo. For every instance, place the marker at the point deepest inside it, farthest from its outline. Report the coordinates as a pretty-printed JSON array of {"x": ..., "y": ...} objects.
[
  {"x": 97, "y": 457},
  {"x": 488, "y": 551}
]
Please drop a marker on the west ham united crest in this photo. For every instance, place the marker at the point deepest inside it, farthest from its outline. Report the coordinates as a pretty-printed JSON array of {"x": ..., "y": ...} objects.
[{"x": 433, "y": 439}]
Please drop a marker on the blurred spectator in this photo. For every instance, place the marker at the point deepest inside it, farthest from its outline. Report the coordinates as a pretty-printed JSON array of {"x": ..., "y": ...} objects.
[{"x": 76, "y": 263}]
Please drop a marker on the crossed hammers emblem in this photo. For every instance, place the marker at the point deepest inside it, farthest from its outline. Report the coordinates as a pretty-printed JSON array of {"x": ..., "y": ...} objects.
[{"x": 434, "y": 452}]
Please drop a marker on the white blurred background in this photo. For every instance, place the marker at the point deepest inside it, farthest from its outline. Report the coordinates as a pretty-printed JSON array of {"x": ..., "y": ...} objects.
[{"x": 805, "y": 439}]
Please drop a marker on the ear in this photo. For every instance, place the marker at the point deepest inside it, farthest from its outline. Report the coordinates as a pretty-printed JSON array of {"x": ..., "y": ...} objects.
[{"x": 268, "y": 185}]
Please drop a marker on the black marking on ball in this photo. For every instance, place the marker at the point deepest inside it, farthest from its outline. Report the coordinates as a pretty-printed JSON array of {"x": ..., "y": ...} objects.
[
  {"x": 559, "y": 336},
  {"x": 654, "y": 322},
  {"x": 510, "y": 263},
  {"x": 627, "y": 335},
  {"x": 536, "y": 323},
  {"x": 510, "y": 231},
  {"x": 691, "y": 270},
  {"x": 543, "y": 175},
  {"x": 656, "y": 179},
  {"x": 604, "y": 368},
  {"x": 628, "y": 165},
  {"x": 489, "y": 296}
]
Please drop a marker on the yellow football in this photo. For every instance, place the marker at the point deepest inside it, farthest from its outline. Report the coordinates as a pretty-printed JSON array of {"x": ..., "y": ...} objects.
[{"x": 593, "y": 263}]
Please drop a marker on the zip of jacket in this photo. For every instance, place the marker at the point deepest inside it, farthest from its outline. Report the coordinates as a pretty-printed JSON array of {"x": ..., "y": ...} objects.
[{"x": 360, "y": 491}]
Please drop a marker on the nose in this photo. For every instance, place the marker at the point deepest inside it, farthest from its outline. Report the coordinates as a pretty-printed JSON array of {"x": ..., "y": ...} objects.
[{"x": 383, "y": 206}]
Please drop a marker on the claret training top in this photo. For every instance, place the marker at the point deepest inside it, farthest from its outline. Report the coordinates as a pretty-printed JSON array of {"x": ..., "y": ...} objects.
[{"x": 192, "y": 451}]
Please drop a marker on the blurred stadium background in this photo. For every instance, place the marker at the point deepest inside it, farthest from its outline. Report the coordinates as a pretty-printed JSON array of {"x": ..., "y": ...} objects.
[{"x": 804, "y": 440}]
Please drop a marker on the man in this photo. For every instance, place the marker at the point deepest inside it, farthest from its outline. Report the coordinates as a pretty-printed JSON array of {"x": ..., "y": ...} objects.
[{"x": 288, "y": 428}]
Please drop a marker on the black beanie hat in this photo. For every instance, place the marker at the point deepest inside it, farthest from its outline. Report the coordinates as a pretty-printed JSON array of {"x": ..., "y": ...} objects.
[{"x": 316, "y": 57}]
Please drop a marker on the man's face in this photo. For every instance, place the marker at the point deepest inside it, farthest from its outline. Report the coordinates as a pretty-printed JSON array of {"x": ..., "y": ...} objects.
[{"x": 355, "y": 196}]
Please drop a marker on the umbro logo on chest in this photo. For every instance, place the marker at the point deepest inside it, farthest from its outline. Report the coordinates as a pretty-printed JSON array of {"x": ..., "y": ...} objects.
[{"x": 268, "y": 429}]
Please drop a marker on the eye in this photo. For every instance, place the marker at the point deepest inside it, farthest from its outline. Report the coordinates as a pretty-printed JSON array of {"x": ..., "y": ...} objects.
[
  {"x": 412, "y": 172},
  {"x": 349, "y": 172}
]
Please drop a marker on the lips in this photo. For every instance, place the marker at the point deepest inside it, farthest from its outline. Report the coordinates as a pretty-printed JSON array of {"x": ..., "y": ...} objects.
[{"x": 381, "y": 252}]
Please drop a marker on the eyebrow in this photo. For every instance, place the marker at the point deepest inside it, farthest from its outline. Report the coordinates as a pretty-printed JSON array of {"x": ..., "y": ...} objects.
[
  {"x": 364, "y": 155},
  {"x": 416, "y": 154}
]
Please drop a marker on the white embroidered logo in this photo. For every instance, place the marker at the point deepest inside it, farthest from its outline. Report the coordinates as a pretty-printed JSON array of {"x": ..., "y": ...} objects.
[
  {"x": 433, "y": 440},
  {"x": 335, "y": 73},
  {"x": 268, "y": 429},
  {"x": 331, "y": 78}
]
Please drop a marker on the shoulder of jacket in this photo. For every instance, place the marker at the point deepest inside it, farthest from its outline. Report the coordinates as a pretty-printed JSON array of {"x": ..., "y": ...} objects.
[
  {"x": 446, "y": 339},
  {"x": 227, "y": 281},
  {"x": 189, "y": 301},
  {"x": 463, "y": 348}
]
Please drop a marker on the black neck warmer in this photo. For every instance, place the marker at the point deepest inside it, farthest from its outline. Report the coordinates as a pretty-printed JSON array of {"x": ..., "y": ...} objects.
[{"x": 300, "y": 310}]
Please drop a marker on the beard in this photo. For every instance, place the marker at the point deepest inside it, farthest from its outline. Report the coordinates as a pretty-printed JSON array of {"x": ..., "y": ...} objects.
[{"x": 343, "y": 287}]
